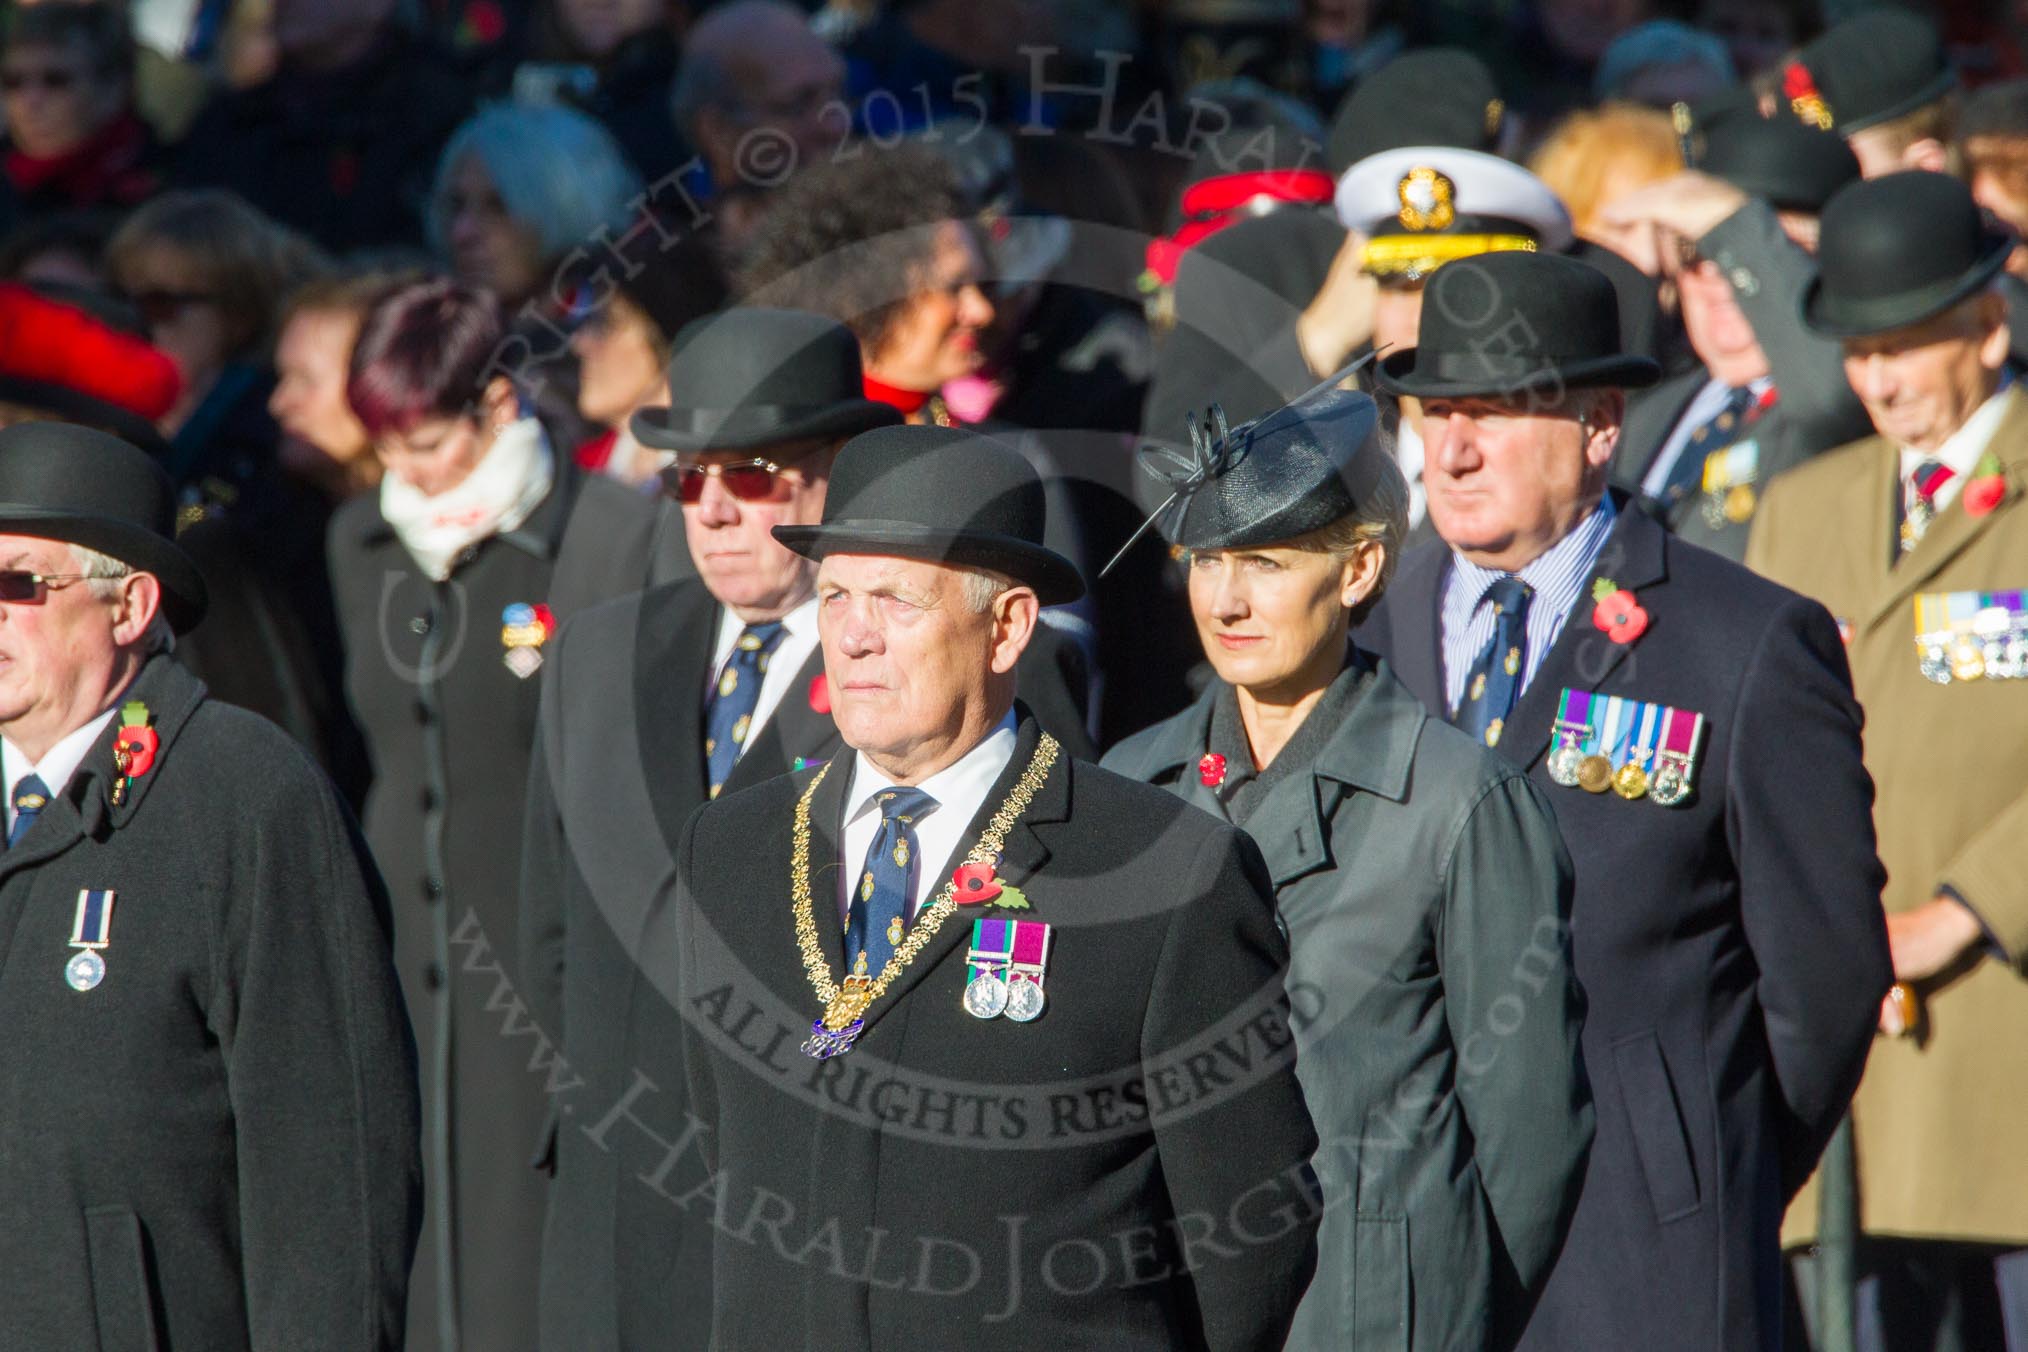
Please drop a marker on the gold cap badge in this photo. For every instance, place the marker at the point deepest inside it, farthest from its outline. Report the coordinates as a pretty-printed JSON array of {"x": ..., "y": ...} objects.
[{"x": 1426, "y": 199}]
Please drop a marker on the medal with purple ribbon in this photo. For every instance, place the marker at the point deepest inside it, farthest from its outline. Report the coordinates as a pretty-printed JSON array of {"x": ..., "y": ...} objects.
[
  {"x": 1573, "y": 726},
  {"x": 90, "y": 932},
  {"x": 986, "y": 991},
  {"x": 1024, "y": 978}
]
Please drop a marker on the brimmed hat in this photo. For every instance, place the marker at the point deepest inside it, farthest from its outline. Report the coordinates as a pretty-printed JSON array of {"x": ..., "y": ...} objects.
[
  {"x": 60, "y": 481},
  {"x": 1435, "y": 96},
  {"x": 943, "y": 495},
  {"x": 1512, "y": 325},
  {"x": 1872, "y": 68},
  {"x": 1795, "y": 166},
  {"x": 1897, "y": 250},
  {"x": 1424, "y": 206},
  {"x": 751, "y": 377}
]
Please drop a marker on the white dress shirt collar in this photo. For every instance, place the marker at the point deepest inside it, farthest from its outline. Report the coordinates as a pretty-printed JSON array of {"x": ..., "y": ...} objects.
[
  {"x": 960, "y": 790},
  {"x": 799, "y": 640},
  {"x": 56, "y": 767},
  {"x": 1963, "y": 448}
]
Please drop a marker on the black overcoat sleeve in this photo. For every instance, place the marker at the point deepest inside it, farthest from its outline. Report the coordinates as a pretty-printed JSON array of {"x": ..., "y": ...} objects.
[
  {"x": 320, "y": 1069},
  {"x": 1800, "y": 821},
  {"x": 1237, "y": 1171}
]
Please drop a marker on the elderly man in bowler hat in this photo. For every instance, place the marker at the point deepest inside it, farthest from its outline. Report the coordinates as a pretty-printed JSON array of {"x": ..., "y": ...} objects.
[
  {"x": 1917, "y": 539},
  {"x": 1695, "y": 728},
  {"x": 950, "y": 1001},
  {"x": 654, "y": 704},
  {"x": 209, "y": 1088}
]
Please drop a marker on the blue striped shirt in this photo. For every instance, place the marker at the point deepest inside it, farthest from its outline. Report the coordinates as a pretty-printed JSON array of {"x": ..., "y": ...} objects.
[{"x": 1556, "y": 576}]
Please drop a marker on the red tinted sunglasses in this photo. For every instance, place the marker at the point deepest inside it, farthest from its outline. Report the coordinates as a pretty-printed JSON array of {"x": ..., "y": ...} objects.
[
  {"x": 32, "y": 589},
  {"x": 747, "y": 480}
]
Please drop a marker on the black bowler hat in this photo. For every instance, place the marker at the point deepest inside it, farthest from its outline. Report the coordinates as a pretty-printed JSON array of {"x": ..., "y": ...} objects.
[
  {"x": 1293, "y": 471},
  {"x": 751, "y": 377},
  {"x": 1795, "y": 166},
  {"x": 943, "y": 495},
  {"x": 1897, "y": 250},
  {"x": 1515, "y": 325},
  {"x": 1872, "y": 68},
  {"x": 59, "y": 481},
  {"x": 1436, "y": 96}
]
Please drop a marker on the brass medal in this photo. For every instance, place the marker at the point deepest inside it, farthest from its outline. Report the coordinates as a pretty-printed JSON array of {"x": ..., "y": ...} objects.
[
  {"x": 1594, "y": 774},
  {"x": 1630, "y": 781},
  {"x": 1739, "y": 503}
]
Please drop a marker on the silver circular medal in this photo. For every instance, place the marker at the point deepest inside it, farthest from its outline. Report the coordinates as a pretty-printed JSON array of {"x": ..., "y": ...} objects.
[
  {"x": 1024, "y": 1000},
  {"x": 84, "y": 971},
  {"x": 1563, "y": 764},
  {"x": 985, "y": 996},
  {"x": 1669, "y": 787}
]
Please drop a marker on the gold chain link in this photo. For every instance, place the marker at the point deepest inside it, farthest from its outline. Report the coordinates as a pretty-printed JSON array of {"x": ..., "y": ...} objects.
[{"x": 985, "y": 852}]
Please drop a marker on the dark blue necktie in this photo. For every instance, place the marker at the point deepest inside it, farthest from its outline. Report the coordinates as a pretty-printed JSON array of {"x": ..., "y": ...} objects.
[
  {"x": 730, "y": 713},
  {"x": 1495, "y": 680},
  {"x": 1717, "y": 432},
  {"x": 878, "y": 916},
  {"x": 31, "y": 795}
]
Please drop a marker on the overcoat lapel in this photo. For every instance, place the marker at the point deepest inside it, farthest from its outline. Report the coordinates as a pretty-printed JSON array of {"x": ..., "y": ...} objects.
[
  {"x": 1582, "y": 657},
  {"x": 1955, "y": 529},
  {"x": 1418, "y": 660},
  {"x": 672, "y": 664}
]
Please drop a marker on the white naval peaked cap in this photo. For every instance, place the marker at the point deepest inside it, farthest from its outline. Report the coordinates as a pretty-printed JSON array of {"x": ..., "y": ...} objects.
[{"x": 1423, "y": 206}]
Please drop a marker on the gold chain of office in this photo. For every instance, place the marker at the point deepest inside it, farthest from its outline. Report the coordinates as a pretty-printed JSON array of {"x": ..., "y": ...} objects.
[{"x": 844, "y": 1004}]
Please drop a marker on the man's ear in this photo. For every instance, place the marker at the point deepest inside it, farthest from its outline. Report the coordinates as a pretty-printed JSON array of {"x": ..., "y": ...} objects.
[
  {"x": 1605, "y": 409},
  {"x": 1016, "y": 612},
  {"x": 1928, "y": 153},
  {"x": 135, "y": 607}
]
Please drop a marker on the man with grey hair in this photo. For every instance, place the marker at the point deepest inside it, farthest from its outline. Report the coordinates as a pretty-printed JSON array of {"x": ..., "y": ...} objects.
[
  {"x": 757, "y": 94},
  {"x": 1030, "y": 956},
  {"x": 209, "y": 1088}
]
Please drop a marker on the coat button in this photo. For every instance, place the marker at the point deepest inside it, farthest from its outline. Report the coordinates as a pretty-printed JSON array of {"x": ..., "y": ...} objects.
[
  {"x": 433, "y": 889},
  {"x": 429, "y": 800},
  {"x": 419, "y": 625},
  {"x": 433, "y": 976}
]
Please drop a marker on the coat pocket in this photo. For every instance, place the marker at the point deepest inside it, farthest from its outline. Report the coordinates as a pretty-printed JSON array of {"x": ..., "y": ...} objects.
[
  {"x": 122, "y": 1291},
  {"x": 1380, "y": 1283},
  {"x": 1655, "y": 1116}
]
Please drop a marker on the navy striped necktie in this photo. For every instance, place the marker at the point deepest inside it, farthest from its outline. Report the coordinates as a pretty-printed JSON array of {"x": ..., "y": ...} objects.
[
  {"x": 1495, "y": 680},
  {"x": 878, "y": 916},
  {"x": 31, "y": 795}
]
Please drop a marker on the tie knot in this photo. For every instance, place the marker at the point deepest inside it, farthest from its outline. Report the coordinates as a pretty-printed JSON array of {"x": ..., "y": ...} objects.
[
  {"x": 1930, "y": 475},
  {"x": 1509, "y": 594},
  {"x": 759, "y": 638},
  {"x": 30, "y": 794},
  {"x": 905, "y": 804}
]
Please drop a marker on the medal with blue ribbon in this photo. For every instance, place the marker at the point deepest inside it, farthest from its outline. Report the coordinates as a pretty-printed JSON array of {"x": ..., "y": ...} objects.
[
  {"x": 1630, "y": 778},
  {"x": 90, "y": 932},
  {"x": 1970, "y": 636}
]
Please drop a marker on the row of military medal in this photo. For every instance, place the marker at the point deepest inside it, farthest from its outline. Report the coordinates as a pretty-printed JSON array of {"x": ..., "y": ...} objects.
[
  {"x": 1972, "y": 636},
  {"x": 1635, "y": 749},
  {"x": 1004, "y": 969}
]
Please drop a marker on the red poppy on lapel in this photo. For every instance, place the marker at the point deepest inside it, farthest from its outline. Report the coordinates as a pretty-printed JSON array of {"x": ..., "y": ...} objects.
[
  {"x": 975, "y": 883},
  {"x": 1986, "y": 486},
  {"x": 1618, "y": 612},
  {"x": 820, "y": 694},
  {"x": 1211, "y": 770}
]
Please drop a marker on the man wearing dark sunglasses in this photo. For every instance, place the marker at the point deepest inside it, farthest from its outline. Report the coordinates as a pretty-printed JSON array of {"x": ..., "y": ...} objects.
[
  {"x": 73, "y": 140},
  {"x": 197, "y": 984},
  {"x": 653, "y": 705}
]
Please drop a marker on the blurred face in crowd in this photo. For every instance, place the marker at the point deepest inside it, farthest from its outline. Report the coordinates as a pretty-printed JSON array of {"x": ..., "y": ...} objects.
[
  {"x": 439, "y": 453},
  {"x": 2006, "y": 196},
  {"x": 489, "y": 248},
  {"x": 1337, "y": 23},
  {"x": 727, "y": 521},
  {"x": 619, "y": 368},
  {"x": 595, "y": 27},
  {"x": 55, "y": 97},
  {"x": 61, "y": 655},
  {"x": 183, "y": 318},
  {"x": 1757, "y": 33},
  {"x": 312, "y": 361},
  {"x": 1920, "y": 384},
  {"x": 917, "y": 676},
  {"x": 1397, "y": 314},
  {"x": 789, "y": 80},
  {"x": 1273, "y": 620},
  {"x": 1583, "y": 29},
  {"x": 935, "y": 336},
  {"x": 1717, "y": 327},
  {"x": 1508, "y": 480}
]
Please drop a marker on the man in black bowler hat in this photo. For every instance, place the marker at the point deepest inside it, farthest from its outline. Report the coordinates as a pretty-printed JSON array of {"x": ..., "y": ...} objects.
[
  {"x": 1695, "y": 729},
  {"x": 1883, "y": 81},
  {"x": 655, "y": 704},
  {"x": 1922, "y": 519},
  {"x": 985, "y": 1044},
  {"x": 209, "y": 1088}
]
